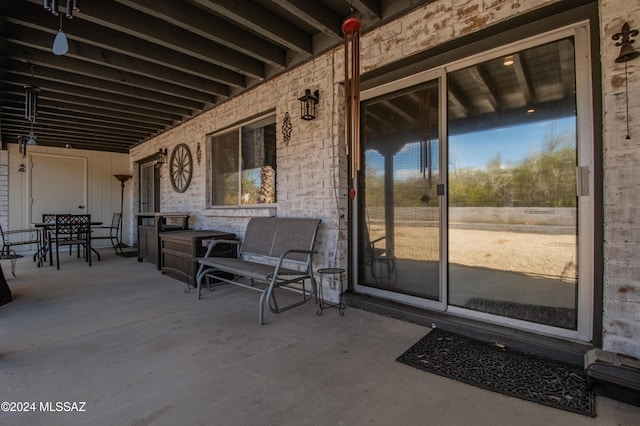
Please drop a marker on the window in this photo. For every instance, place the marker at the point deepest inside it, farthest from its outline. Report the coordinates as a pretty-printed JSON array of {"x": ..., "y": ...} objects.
[{"x": 244, "y": 164}]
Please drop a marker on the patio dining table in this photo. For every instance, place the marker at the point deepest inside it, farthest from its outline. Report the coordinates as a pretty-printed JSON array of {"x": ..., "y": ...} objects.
[{"x": 41, "y": 255}]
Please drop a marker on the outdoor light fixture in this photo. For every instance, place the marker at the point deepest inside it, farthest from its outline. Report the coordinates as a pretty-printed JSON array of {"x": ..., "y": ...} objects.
[
  {"x": 508, "y": 60},
  {"x": 60, "y": 43},
  {"x": 627, "y": 53},
  {"x": 122, "y": 179},
  {"x": 161, "y": 156},
  {"x": 308, "y": 104}
]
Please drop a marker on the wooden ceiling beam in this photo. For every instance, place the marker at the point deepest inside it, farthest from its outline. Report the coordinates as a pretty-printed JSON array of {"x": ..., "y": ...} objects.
[
  {"x": 369, "y": 8},
  {"x": 31, "y": 15},
  {"x": 211, "y": 27},
  {"x": 29, "y": 38},
  {"x": 117, "y": 17},
  {"x": 263, "y": 22},
  {"x": 54, "y": 81},
  {"x": 316, "y": 14},
  {"x": 82, "y": 74},
  {"x": 43, "y": 129},
  {"x": 42, "y": 60},
  {"x": 95, "y": 122}
]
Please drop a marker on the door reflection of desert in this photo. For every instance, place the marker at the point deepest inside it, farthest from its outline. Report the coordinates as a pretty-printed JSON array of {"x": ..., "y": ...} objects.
[{"x": 534, "y": 242}]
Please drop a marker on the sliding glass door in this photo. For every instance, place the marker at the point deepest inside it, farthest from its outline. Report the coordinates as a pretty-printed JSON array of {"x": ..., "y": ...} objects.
[
  {"x": 513, "y": 205},
  {"x": 495, "y": 223},
  {"x": 401, "y": 226}
]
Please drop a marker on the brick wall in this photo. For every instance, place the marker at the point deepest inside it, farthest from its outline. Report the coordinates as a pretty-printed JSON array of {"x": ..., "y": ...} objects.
[
  {"x": 621, "y": 184},
  {"x": 311, "y": 169}
]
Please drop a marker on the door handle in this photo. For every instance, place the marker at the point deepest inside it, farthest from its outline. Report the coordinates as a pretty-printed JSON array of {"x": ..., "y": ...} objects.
[{"x": 582, "y": 180}]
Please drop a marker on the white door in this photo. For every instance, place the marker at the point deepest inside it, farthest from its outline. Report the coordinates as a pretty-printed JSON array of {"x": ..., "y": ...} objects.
[{"x": 58, "y": 185}]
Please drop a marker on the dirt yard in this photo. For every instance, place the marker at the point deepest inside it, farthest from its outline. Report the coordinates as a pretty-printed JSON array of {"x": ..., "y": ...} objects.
[{"x": 536, "y": 254}]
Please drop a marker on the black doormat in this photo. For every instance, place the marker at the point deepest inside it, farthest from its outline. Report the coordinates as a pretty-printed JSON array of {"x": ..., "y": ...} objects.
[
  {"x": 549, "y": 315},
  {"x": 499, "y": 369}
]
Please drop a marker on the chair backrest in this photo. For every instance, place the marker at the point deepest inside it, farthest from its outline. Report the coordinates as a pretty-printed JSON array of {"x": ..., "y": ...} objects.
[
  {"x": 272, "y": 236},
  {"x": 2, "y": 235},
  {"x": 73, "y": 224},
  {"x": 48, "y": 218},
  {"x": 115, "y": 220}
]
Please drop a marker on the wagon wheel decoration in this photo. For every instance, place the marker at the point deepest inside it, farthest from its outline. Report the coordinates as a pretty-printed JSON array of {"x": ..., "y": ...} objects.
[{"x": 180, "y": 167}]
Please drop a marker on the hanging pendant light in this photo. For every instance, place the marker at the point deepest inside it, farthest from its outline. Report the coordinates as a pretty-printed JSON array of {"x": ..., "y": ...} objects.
[{"x": 60, "y": 43}]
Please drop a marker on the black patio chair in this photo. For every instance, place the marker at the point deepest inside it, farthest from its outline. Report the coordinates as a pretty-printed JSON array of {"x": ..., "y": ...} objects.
[
  {"x": 71, "y": 230},
  {"x": 17, "y": 237},
  {"x": 113, "y": 230}
]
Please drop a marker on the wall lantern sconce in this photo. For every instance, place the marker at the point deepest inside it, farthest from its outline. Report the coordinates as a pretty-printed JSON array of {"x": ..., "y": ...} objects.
[
  {"x": 308, "y": 104},
  {"x": 627, "y": 53},
  {"x": 161, "y": 156}
]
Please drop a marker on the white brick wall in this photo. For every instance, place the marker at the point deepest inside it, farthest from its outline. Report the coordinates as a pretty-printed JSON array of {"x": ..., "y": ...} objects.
[
  {"x": 312, "y": 170},
  {"x": 621, "y": 184}
]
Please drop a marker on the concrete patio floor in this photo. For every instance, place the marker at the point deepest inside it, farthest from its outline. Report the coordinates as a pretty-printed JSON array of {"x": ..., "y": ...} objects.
[{"x": 127, "y": 342}]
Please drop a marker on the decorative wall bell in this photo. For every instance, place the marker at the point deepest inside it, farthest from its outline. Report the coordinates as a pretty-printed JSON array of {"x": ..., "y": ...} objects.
[{"x": 627, "y": 53}]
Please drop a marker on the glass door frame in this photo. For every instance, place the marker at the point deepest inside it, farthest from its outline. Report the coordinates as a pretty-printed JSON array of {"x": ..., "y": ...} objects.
[
  {"x": 149, "y": 188},
  {"x": 438, "y": 75},
  {"x": 585, "y": 161}
]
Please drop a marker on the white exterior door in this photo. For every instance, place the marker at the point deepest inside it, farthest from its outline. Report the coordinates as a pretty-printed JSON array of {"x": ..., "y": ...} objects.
[{"x": 57, "y": 185}]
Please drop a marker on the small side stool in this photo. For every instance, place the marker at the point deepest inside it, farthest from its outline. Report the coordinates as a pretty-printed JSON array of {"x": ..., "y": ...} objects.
[{"x": 321, "y": 302}]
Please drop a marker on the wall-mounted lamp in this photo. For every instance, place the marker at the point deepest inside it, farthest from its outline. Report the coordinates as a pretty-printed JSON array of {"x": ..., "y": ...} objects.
[
  {"x": 627, "y": 53},
  {"x": 161, "y": 156},
  {"x": 308, "y": 104}
]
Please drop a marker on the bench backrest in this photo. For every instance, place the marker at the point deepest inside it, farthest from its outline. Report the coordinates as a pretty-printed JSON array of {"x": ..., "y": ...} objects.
[{"x": 273, "y": 236}]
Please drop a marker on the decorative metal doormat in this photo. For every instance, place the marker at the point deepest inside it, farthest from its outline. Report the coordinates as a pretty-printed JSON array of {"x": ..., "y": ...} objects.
[{"x": 499, "y": 369}]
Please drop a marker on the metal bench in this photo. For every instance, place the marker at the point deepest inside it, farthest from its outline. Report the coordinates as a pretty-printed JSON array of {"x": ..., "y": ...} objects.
[{"x": 277, "y": 252}]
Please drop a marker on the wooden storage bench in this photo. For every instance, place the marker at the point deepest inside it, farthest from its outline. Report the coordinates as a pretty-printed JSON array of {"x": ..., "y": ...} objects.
[{"x": 180, "y": 248}]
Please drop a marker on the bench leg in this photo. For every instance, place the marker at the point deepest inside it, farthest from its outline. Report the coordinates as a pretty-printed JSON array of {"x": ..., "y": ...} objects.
[
  {"x": 199, "y": 276},
  {"x": 263, "y": 298}
]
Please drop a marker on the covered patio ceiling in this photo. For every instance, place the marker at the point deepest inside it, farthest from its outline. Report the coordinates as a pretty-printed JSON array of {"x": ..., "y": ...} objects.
[{"x": 136, "y": 68}]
